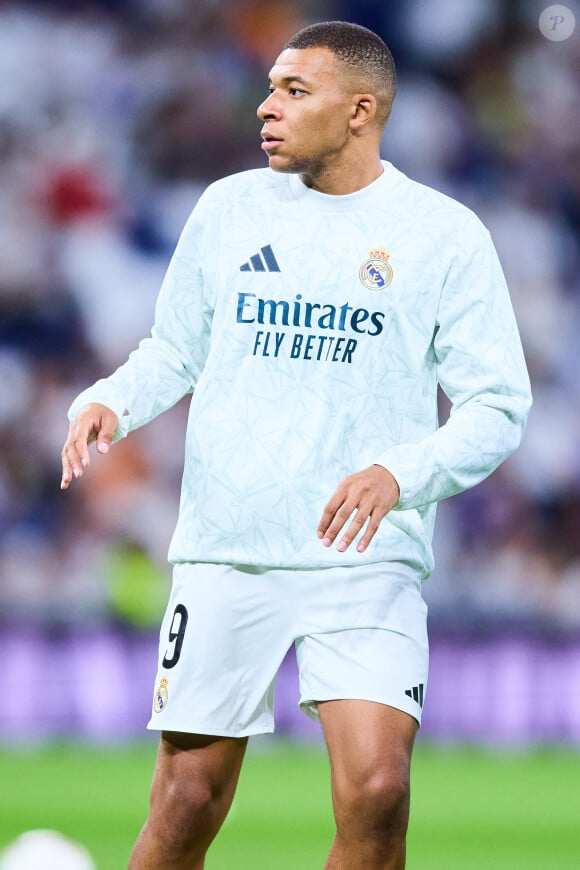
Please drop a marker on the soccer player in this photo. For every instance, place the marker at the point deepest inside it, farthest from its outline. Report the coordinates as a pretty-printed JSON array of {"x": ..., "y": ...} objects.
[{"x": 312, "y": 307}]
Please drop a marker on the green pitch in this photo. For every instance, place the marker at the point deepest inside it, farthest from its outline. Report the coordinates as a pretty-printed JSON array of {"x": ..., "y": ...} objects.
[{"x": 471, "y": 810}]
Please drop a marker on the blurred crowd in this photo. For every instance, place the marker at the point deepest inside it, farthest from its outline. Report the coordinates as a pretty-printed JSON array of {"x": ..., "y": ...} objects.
[{"x": 114, "y": 115}]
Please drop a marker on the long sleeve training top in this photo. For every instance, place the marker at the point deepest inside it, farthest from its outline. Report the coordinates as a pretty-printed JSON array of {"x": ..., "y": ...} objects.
[{"x": 313, "y": 331}]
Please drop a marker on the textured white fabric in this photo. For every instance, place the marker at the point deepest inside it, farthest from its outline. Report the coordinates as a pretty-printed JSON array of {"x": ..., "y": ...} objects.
[{"x": 304, "y": 375}]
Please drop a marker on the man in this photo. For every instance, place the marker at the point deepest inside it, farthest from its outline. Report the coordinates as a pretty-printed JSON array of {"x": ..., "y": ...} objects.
[{"x": 312, "y": 311}]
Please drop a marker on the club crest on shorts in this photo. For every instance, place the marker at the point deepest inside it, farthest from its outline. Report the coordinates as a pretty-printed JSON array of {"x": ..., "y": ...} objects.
[
  {"x": 161, "y": 696},
  {"x": 376, "y": 273}
]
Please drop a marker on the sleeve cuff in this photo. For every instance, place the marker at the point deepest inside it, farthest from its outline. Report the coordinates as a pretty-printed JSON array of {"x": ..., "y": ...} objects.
[
  {"x": 395, "y": 464},
  {"x": 103, "y": 396}
]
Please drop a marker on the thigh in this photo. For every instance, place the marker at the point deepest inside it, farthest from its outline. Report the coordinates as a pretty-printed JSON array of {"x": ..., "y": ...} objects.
[
  {"x": 222, "y": 642},
  {"x": 186, "y": 762},
  {"x": 367, "y": 742},
  {"x": 193, "y": 787}
]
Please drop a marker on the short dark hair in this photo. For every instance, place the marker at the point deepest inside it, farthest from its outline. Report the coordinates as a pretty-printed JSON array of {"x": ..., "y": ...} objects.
[{"x": 360, "y": 49}]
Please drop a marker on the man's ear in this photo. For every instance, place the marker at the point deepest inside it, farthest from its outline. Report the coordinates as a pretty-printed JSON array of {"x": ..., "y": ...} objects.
[{"x": 363, "y": 112}]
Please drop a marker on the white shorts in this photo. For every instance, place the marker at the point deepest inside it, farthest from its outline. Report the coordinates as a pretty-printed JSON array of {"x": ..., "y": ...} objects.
[{"x": 360, "y": 633}]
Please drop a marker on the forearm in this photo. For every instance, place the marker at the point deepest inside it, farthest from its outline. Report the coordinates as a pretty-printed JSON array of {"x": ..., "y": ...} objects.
[
  {"x": 152, "y": 380},
  {"x": 475, "y": 440}
]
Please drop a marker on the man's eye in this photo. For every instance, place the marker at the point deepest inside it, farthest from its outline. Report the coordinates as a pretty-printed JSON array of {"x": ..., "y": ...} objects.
[
  {"x": 294, "y": 92},
  {"x": 270, "y": 90}
]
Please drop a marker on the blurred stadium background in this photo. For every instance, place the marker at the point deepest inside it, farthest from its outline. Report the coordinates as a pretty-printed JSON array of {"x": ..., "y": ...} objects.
[{"x": 114, "y": 115}]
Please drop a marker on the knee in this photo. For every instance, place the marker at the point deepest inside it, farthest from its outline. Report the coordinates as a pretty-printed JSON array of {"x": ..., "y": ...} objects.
[
  {"x": 183, "y": 811},
  {"x": 385, "y": 793},
  {"x": 378, "y": 800}
]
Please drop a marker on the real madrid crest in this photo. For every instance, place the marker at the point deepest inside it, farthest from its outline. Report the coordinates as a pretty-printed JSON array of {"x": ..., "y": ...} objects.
[
  {"x": 376, "y": 273},
  {"x": 161, "y": 696}
]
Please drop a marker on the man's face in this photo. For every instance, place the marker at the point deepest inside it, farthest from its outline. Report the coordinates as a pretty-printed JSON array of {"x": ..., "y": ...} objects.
[{"x": 306, "y": 116}]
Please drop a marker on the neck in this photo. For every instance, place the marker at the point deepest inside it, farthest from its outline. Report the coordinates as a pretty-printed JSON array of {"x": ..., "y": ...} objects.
[{"x": 348, "y": 177}]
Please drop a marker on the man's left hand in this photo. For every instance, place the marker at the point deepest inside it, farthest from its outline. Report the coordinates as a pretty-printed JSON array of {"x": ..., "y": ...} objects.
[{"x": 370, "y": 495}]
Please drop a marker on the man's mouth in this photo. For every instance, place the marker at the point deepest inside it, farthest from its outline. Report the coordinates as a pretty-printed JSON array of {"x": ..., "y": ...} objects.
[{"x": 269, "y": 141}]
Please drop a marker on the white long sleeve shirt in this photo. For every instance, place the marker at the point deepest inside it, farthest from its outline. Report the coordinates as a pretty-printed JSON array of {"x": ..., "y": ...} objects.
[{"x": 313, "y": 331}]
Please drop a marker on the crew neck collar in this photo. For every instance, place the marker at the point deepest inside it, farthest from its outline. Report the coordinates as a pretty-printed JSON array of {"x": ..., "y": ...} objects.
[{"x": 381, "y": 185}]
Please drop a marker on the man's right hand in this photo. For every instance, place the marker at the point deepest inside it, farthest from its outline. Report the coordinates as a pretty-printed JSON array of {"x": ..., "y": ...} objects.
[{"x": 93, "y": 422}]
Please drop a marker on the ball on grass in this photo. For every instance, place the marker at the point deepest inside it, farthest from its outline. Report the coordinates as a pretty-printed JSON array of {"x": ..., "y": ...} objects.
[{"x": 45, "y": 850}]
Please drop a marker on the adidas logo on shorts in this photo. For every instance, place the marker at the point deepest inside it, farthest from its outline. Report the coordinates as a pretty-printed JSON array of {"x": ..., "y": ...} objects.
[{"x": 416, "y": 693}]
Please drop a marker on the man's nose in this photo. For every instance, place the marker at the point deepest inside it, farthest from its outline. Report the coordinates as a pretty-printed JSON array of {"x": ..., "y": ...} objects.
[{"x": 269, "y": 109}]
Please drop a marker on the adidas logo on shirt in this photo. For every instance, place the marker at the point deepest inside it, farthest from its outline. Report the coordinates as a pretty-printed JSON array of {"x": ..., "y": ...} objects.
[{"x": 264, "y": 261}]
